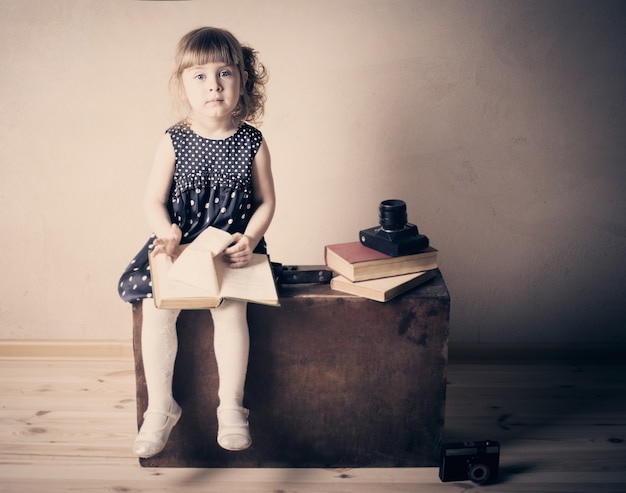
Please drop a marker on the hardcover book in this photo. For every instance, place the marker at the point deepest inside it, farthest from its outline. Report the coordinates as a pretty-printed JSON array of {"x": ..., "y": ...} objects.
[
  {"x": 356, "y": 262},
  {"x": 199, "y": 277},
  {"x": 382, "y": 289}
]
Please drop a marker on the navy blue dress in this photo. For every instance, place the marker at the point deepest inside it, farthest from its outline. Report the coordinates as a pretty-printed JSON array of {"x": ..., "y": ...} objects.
[{"x": 212, "y": 186}]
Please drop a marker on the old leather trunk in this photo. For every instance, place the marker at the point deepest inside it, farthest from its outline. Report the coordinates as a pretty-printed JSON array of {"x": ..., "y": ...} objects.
[{"x": 334, "y": 380}]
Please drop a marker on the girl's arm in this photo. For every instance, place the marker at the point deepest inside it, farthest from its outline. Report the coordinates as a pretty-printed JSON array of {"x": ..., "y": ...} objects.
[
  {"x": 156, "y": 196},
  {"x": 239, "y": 254}
]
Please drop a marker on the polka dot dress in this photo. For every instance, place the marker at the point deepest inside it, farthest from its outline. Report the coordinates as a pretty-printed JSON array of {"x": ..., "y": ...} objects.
[{"x": 212, "y": 186}]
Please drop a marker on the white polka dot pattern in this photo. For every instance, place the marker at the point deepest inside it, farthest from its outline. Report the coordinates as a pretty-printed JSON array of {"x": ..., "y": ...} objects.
[{"x": 212, "y": 186}]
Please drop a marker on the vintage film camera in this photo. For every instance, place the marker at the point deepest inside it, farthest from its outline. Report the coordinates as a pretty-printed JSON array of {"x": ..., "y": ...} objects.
[
  {"x": 300, "y": 274},
  {"x": 394, "y": 236},
  {"x": 477, "y": 461}
]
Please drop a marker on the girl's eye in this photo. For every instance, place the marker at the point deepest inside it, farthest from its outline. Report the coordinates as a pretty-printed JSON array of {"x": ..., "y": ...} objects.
[
  {"x": 225, "y": 73},
  {"x": 200, "y": 76}
]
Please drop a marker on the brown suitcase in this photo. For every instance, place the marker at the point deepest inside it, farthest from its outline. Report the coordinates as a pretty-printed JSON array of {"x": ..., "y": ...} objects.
[{"x": 334, "y": 380}]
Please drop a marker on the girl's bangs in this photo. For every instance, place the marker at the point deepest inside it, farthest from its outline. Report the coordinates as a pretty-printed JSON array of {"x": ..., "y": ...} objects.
[{"x": 207, "y": 49}]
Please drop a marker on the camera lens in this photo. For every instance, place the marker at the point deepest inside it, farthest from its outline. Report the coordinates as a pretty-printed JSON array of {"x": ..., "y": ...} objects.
[
  {"x": 479, "y": 473},
  {"x": 392, "y": 215}
]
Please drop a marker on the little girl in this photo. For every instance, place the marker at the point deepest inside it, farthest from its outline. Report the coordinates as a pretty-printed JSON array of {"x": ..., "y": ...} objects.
[{"x": 210, "y": 169}]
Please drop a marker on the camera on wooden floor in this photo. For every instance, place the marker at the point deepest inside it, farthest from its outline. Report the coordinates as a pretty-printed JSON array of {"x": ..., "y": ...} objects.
[
  {"x": 477, "y": 461},
  {"x": 394, "y": 236}
]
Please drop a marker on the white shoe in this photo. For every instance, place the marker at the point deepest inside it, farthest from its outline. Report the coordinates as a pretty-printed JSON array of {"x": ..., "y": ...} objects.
[
  {"x": 151, "y": 442},
  {"x": 233, "y": 436}
]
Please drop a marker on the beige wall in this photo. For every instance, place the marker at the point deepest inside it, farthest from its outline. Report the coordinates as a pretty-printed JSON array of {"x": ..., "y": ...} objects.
[{"x": 501, "y": 124}]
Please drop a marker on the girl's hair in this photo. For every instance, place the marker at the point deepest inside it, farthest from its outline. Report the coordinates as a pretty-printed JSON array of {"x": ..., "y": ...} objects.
[{"x": 209, "y": 45}]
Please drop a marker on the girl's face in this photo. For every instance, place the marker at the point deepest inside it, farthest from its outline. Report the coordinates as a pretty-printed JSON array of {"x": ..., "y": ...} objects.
[{"x": 212, "y": 89}]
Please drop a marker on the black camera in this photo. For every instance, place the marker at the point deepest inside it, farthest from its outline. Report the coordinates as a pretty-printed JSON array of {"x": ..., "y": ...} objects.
[
  {"x": 395, "y": 236},
  {"x": 477, "y": 461}
]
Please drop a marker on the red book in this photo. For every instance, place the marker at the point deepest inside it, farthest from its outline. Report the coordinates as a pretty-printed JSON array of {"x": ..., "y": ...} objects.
[{"x": 356, "y": 262}]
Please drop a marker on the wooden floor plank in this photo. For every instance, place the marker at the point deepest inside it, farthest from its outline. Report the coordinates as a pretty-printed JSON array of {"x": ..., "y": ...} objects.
[{"x": 68, "y": 425}]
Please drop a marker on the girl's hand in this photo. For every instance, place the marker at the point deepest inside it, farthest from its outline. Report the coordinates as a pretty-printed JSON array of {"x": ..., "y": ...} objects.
[
  {"x": 240, "y": 252},
  {"x": 169, "y": 245}
]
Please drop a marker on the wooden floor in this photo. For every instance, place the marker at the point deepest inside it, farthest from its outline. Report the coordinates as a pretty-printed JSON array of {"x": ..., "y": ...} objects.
[{"x": 66, "y": 425}]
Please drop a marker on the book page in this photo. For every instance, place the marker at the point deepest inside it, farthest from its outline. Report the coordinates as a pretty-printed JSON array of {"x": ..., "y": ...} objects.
[
  {"x": 166, "y": 289},
  {"x": 196, "y": 268},
  {"x": 211, "y": 240},
  {"x": 254, "y": 282},
  {"x": 196, "y": 264}
]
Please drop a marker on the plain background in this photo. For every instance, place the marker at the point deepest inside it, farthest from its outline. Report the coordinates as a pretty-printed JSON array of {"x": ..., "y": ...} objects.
[{"x": 500, "y": 123}]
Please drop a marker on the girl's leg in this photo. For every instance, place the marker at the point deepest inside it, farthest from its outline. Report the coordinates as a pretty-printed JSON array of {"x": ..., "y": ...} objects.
[
  {"x": 232, "y": 344},
  {"x": 159, "y": 344}
]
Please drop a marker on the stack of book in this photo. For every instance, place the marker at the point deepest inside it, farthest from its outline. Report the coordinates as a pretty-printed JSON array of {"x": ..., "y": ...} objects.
[{"x": 371, "y": 274}]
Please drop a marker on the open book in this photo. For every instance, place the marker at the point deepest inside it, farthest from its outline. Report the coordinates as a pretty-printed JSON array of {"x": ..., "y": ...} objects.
[{"x": 199, "y": 278}]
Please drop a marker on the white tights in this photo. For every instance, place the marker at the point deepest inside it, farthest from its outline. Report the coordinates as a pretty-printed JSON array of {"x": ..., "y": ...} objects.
[{"x": 159, "y": 344}]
